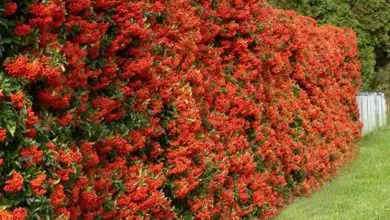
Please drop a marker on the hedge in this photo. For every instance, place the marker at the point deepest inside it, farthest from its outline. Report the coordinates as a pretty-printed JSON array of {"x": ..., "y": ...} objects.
[{"x": 153, "y": 109}]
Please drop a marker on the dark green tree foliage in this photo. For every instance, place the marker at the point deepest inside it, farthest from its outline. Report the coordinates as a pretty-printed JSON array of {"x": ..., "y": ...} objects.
[{"x": 369, "y": 18}]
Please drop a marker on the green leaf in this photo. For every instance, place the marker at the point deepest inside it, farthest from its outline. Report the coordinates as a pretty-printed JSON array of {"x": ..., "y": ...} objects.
[{"x": 11, "y": 127}]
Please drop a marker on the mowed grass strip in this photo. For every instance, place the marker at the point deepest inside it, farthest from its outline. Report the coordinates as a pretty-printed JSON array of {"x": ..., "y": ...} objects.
[{"x": 360, "y": 191}]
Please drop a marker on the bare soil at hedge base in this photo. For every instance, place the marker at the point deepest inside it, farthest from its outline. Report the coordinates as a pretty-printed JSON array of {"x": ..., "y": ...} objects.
[{"x": 360, "y": 191}]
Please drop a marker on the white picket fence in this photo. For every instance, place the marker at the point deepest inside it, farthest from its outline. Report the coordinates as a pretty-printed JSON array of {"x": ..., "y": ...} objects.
[{"x": 372, "y": 109}]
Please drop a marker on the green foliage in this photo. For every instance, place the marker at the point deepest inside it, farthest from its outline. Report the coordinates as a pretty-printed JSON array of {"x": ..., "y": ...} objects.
[
  {"x": 9, "y": 43},
  {"x": 370, "y": 19},
  {"x": 382, "y": 78}
]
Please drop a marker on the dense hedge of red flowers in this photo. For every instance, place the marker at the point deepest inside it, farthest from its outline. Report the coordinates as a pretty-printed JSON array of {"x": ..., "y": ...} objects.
[{"x": 163, "y": 109}]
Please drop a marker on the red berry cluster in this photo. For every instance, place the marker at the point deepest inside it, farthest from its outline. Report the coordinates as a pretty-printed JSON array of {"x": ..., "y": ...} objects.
[{"x": 163, "y": 109}]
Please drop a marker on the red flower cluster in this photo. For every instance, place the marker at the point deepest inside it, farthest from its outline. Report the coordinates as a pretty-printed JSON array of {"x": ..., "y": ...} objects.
[
  {"x": 18, "y": 100},
  {"x": 23, "y": 30},
  {"x": 10, "y": 8},
  {"x": 3, "y": 135},
  {"x": 176, "y": 109},
  {"x": 19, "y": 214},
  {"x": 37, "y": 184},
  {"x": 16, "y": 214},
  {"x": 31, "y": 155},
  {"x": 14, "y": 183}
]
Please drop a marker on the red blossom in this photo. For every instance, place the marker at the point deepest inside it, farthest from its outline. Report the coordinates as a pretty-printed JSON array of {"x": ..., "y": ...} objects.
[
  {"x": 19, "y": 214},
  {"x": 31, "y": 155},
  {"x": 3, "y": 135},
  {"x": 37, "y": 184},
  {"x": 10, "y": 8},
  {"x": 59, "y": 102},
  {"x": 17, "y": 100},
  {"x": 65, "y": 120},
  {"x": 14, "y": 183},
  {"x": 31, "y": 118},
  {"x": 76, "y": 6},
  {"x": 5, "y": 215},
  {"x": 58, "y": 196},
  {"x": 17, "y": 67},
  {"x": 23, "y": 30}
]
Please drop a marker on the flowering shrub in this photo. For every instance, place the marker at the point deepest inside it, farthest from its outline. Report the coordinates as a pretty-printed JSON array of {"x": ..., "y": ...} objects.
[{"x": 171, "y": 109}]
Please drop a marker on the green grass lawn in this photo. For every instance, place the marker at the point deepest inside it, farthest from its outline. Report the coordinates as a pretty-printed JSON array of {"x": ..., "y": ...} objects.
[{"x": 360, "y": 191}]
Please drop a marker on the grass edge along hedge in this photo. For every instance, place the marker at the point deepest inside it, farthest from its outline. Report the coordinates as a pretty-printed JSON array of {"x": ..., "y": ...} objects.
[{"x": 170, "y": 109}]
